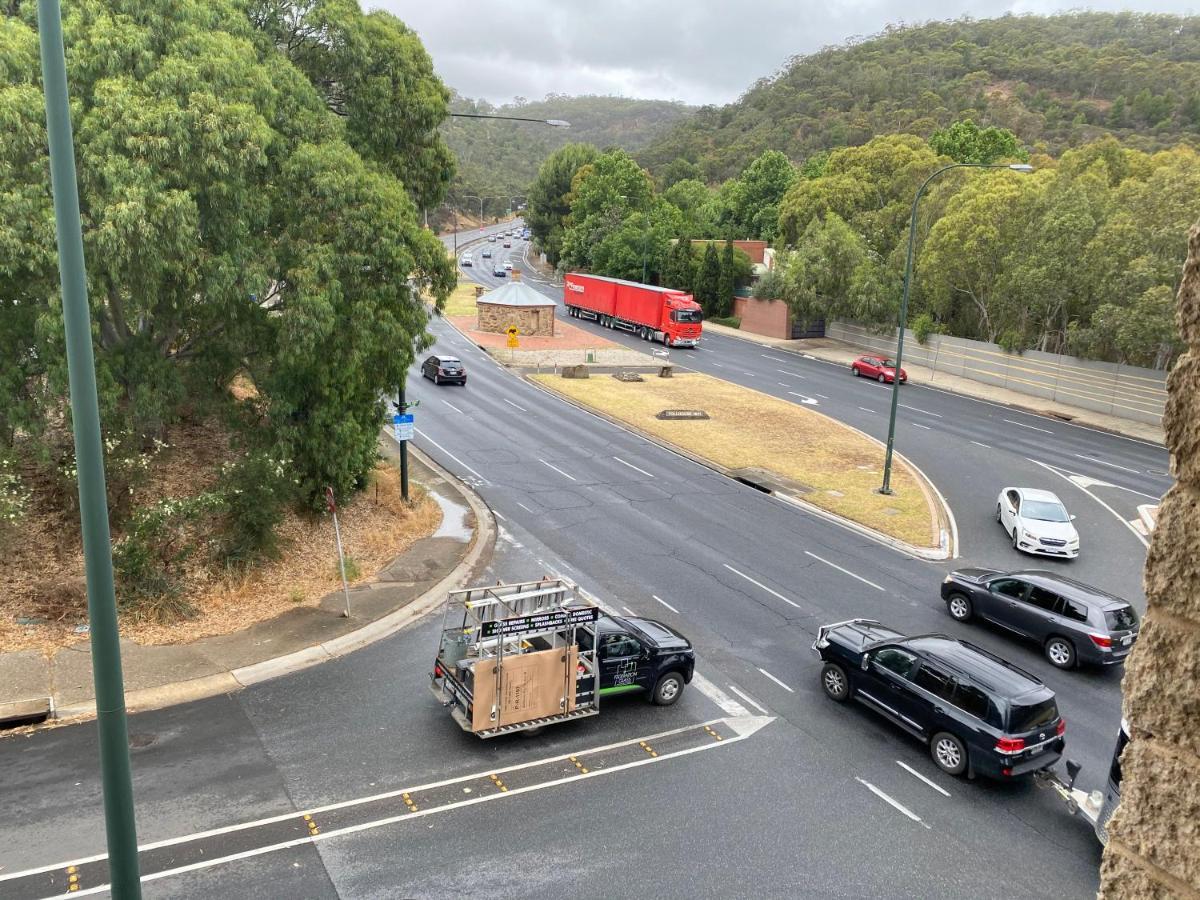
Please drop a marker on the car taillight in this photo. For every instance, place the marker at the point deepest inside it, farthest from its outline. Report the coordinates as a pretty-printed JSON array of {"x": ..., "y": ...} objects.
[
  {"x": 1061, "y": 728},
  {"x": 437, "y": 670},
  {"x": 1103, "y": 641},
  {"x": 1010, "y": 745}
]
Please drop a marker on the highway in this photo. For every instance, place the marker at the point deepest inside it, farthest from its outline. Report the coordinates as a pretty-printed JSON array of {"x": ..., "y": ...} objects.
[{"x": 817, "y": 799}]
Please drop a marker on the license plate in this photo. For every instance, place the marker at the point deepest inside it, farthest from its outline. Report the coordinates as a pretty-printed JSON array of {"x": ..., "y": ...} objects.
[{"x": 1127, "y": 640}]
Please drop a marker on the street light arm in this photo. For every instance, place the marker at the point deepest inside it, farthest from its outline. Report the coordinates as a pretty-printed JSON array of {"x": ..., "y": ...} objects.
[{"x": 554, "y": 123}]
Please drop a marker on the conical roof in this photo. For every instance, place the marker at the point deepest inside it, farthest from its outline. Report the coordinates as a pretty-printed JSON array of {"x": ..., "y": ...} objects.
[{"x": 515, "y": 293}]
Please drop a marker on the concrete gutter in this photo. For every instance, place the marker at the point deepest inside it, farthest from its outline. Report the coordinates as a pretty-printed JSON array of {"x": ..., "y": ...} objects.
[
  {"x": 946, "y": 525},
  {"x": 483, "y": 541}
]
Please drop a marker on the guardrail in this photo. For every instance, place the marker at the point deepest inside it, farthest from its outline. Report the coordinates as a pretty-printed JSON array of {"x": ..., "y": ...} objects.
[{"x": 1128, "y": 392}]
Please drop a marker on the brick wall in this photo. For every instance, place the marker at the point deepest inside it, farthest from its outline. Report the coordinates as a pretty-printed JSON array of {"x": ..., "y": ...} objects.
[{"x": 766, "y": 317}]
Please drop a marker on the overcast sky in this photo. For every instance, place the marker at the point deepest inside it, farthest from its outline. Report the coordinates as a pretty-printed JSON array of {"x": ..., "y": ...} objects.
[{"x": 698, "y": 51}]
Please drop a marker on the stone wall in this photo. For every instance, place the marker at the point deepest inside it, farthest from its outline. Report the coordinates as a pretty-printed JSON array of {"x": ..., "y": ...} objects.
[
  {"x": 535, "y": 320},
  {"x": 1154, "y": 837}
]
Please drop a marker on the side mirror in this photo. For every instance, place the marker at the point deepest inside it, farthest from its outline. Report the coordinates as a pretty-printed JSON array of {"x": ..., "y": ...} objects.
[
  {"x": 866, "y": 661},
  {"x": 1072, "y": 518}
]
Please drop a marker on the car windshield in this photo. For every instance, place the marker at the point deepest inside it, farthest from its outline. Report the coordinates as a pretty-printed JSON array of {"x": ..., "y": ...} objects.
[
  {"x": 687, "y": 315},
  {"x": 1121, "y": 619},
  {"x": 1044, "y": 511},
  {"x": 1028, "y": 718},
  {"x": 450, "y": 361},
  {"x": 889, "y": 363}
]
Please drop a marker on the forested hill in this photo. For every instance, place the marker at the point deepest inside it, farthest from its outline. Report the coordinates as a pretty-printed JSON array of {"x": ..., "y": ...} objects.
[
  {"x": 1055, "y": 81},
  {"x": 502, "y": 158}
]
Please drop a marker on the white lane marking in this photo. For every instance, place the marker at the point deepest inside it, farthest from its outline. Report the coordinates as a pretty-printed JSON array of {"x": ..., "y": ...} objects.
[
  {"x": 864, "y": 409},
  {"x": 1103, "y": 463},
  {"x": 451, "y": 455},
  {"x": 716, "y": 695},
  {"x": 978, "y": 444},
  {"x": 748, "y": 374},
  {"x": 745, "y": 727},
  {"x": 844, "y": 571},
  {"x": 822, "y": 396},
  {"x": 665, "y": 603},
  {"x": 1030, "y": 427},
  {"x": 783, "y": 384},
  {"x": 632, "y": 466},
  {"x": 558, "y": 470},
  {"x": 762, "y": 709},
  {"x": 629, "y": 611},
  {"x": 524, "y": 507},
  {"x": 777, "y": 681},
  {"x": 452, "y": 406},
  {"x": 934, "y": 785},
  {"x": 878, "y": 793},
  {"x": 772, "y": 358},
  {"x": 925, "y": 411},
  {"x": 790, "y": 374},
  {"x": 804, "y": 398},
  {"x": 1120, "y": 518},
  {"x": 761, "y": 585},
  {"x": 515, "y": 406},
  {"x": 718, "y": 365},
  {"x": 919, "y": 425},
  {"x": 496, "y": 513}
]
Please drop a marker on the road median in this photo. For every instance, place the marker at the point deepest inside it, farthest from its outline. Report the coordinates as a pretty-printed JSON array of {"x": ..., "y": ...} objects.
[{"x": 777, "y": 446}]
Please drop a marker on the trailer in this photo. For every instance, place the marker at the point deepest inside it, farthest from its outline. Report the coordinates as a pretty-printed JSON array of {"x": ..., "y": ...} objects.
[
  {"x": 653, "y": 313},
  {"x": 517, "y": 657}
]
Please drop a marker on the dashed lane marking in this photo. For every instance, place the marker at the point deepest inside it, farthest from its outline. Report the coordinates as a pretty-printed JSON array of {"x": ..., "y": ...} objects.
[
  {"x": 1101, "y": 462},
  {"x": 1030, "y": 427},
  {"x": 557, "y": 469},
  {"x": 834, "y": 565},
  {"x": 665, "y": 603},
  {"x": 777, "y": 681},
  {"x": 981, "y": 444},
  {"x": 514, "y": 405},
  {"x": 761, "y": 585},
  {"x": 886, "y": 799},
  {"x": 919, "y": 425},
  {"x": 632, "y": 466},
  {"x": 453, "y": 407},
  {"x": 762, "y": 709},
  {"x": 451, "y": 455},
  {"x": 937, "y": 787},
  {"x": 923, "y": 411},
  {"x": 524, "y": 507},
  {"x": 864, "y": 409}
]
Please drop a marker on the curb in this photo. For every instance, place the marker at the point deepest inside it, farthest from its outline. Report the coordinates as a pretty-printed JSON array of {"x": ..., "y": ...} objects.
[
  {"x": 1078, "y": 422},
  {"x": 482, "y": 542},
  {"x": 948, "y": 550}
]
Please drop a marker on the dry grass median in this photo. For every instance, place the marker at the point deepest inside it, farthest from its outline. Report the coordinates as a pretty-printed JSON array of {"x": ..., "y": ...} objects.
[{"x": 840, "y": 468}]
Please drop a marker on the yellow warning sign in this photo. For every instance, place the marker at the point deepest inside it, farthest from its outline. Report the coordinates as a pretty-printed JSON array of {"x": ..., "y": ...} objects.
[{"x": 513, "y": 331}]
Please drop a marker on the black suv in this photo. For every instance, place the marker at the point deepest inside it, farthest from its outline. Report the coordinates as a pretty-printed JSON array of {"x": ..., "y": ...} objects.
[
  {"x": 1072, "y": 622},
  {"x": 642, "y": 655},
  {"x": 978, "y": 713}
]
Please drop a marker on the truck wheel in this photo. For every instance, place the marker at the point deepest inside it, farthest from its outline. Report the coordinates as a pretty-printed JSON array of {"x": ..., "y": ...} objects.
[
  {"x": 668, "y": 689},
  {"x": 835, "y": 682}
]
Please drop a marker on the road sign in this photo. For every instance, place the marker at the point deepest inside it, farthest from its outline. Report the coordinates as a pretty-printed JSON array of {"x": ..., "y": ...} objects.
[
  {"x": 402, "y": 426},
  {"x": 512, "y": 332}
]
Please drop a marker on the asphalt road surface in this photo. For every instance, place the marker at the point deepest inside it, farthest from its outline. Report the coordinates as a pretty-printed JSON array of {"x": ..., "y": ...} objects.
[{"x": 801, "y": 797}]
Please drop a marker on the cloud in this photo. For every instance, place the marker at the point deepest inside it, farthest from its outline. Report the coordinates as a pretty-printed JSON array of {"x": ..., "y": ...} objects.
[{"x": 699, "y": 51}]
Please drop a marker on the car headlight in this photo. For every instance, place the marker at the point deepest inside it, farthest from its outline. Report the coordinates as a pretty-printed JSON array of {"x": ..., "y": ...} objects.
[
  {"x": 1027, "y": 535},
  {"x": 947, "y": 579}
]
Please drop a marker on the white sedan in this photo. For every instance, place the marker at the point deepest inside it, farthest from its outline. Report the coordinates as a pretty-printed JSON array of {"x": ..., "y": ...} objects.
[
  {"x": 1038, "y": 522},
  {"x": 508, "y": 266}
]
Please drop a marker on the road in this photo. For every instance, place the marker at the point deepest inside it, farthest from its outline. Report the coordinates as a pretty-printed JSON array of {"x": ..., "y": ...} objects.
[{"x": 818, "y": 799}]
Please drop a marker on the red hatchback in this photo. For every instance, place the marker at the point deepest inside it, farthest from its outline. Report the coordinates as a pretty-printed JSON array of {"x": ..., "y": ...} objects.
[{"x": 877, "y": 367}]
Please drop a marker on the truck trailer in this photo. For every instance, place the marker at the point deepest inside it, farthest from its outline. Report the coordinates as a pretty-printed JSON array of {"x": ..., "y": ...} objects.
[{"x": 653, "y": 313}]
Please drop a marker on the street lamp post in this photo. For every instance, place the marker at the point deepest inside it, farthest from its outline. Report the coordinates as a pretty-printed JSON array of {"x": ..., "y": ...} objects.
[{"x": 886, "y": 488}]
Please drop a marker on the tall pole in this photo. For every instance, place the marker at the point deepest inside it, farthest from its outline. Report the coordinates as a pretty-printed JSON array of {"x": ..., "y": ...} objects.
[
  {"x": 115, "y": 775},
  {"x": 402, "y": 408},
  {"x": 912, "y": 238}
]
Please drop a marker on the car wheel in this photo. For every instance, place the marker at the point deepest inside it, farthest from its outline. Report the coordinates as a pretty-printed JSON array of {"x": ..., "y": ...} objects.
[
  {"x": 437, "y": 379},
  {"x": 532, "y": 732},
  {"x": 959, "y": 607},
  {"x": 1016, "y": 540},
  {"x": 1060, "y": 652},
  {"x": 835, "y": 682},
  {"x": 999, "y": 517},
  {"x": 882, "y": 378},
  {"x": 668, "y": 689},
  {"x": 949, "y": 753},
  {"x": 854, "y": 370}
]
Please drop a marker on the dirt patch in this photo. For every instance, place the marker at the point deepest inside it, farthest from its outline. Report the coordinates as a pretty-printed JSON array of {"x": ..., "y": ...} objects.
[
  {"x": 43, "y": 598},
  {"x": 748, "y": 430}
]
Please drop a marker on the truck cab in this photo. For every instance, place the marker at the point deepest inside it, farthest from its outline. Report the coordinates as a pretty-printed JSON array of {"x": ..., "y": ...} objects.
[{"x": 639, "y": 654}]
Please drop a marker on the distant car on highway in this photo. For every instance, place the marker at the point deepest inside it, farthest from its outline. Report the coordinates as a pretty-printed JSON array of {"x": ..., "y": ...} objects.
[
  {"x": 507, "y": 266},
  {"x": 498, "y": 271},
  {"x": 466, "y": 263},
  {"x": 491, "y": 238},
  {"x": 487, "y": 254},
  {"x": 880, "y": 368},
  {"x": 507, "y": 242},
  {"x": 444, "y": 370},
  {"x": 1072, "y": 622},
  {"x": 977, "y": 713},
  {"x": 1037, "y": 522}
]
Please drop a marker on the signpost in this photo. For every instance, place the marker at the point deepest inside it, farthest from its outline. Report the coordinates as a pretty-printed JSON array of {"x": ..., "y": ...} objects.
[
  {"x": 403, "y": 427},
  {"x": 331, "y": 505},
  {"x": 513, "y": 332}
]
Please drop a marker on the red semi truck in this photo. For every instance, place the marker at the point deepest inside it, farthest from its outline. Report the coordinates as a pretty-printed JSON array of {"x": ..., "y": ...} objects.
[{"x": 653, "y": 313}]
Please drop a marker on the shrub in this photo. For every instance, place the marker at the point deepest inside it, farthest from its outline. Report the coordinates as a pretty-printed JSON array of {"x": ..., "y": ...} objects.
[
  {"x": 727, "y": 321},
  {"x": 257, "y": 489},
  {"x": 14, "y": 496},
  {"x": 923, "y": 326}
]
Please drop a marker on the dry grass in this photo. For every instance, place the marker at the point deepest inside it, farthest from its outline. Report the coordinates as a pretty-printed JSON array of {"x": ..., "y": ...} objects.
[
  {"x": 42, "y": 575},
  {"x": 842, "y": 467},
  {"x": 461, "y": 301}
]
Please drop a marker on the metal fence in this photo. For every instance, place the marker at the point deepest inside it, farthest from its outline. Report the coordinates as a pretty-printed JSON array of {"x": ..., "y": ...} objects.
[{"x": 1129, "y": 392}]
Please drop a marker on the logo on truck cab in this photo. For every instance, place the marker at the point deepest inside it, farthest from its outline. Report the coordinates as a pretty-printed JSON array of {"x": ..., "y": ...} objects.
[{"x": 572, "y": 286}]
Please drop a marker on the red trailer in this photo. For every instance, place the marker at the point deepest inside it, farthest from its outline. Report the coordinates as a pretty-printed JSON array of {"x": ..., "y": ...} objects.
[{"x": 653, "y": 313}]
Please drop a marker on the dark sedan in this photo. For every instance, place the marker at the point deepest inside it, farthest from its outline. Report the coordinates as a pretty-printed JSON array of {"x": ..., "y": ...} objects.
[
  {"x": 1073, "y": 623},
  {"x": 877, "y": 367},
  {"x": 444, "y": 370}
]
